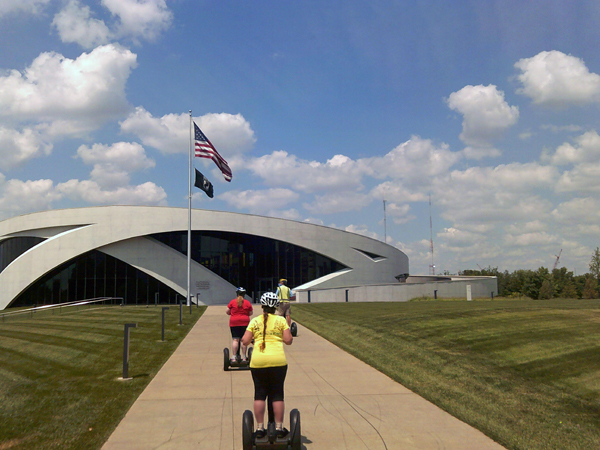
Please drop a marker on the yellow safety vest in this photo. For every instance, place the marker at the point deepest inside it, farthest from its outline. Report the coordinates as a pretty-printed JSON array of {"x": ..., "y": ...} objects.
[{"x": 284, "y": 293}]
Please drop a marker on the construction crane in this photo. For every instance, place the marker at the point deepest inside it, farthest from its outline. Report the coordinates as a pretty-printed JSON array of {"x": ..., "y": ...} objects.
[{"x": 557, "y": 258}]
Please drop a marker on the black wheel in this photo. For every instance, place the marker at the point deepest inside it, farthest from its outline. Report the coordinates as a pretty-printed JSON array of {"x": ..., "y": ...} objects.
[
  {"x": 294, "y": 329},
  {"x": 247, "y": 430},
  {"x": 225, "y": 359},
  {"x": 295, "y": 432}
]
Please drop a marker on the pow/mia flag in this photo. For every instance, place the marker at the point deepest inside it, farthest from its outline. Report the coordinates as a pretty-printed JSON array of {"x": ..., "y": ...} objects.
[{"x": 203, "y": 183}]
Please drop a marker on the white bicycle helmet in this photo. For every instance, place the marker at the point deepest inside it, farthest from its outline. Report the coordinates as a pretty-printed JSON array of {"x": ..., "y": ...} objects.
[{"x": 269, "y": 299}]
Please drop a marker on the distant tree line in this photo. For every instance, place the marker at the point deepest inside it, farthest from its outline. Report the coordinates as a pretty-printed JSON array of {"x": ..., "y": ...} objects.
[{"x": 543, "y": 283}]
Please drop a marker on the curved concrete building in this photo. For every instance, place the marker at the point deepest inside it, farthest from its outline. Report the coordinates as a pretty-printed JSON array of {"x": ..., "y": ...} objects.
[{"x": 139, "y": 253}]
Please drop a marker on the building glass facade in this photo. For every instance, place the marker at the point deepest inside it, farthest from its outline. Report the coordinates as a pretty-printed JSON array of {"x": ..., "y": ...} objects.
[
  {"x": 253, "y": 262},
  {"x": 12, "y": 248},
  {"x": 93, "y": 275},
  {"x": 256, "y": 263}
]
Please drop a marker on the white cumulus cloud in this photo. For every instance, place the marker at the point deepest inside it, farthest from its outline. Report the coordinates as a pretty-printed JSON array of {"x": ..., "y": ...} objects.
[
  {"x": 91, "y": 192},
  {"x": 140, "y": 18},
  {"x": 17, "y": 147},
  {"x": 587, "y": 149},
  {"x": 75, "y": 24},
  {"x": 231, "y": 134},
  {"x": 260, "y": 201},
  {"x": 486, "y": 115},
  {"x": 282, "y": 169},
  {"x": 113, "y": 164},
  {"x": 25, "y": 6},
  {"x": 337, "y": 202},
  {"x": 582, "y": 178},
  {"x": 417, "y": 161},
  {"x": 18, "y": 197},
  {"x": 77, "y": 95},
  {"x": 131, "y": 19},
  {"x": 556, "y": 79},
  {"x": 580, "y": 210}
]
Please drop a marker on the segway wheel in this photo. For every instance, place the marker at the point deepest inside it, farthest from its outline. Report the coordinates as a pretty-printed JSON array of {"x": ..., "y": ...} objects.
[
  {"x": 225, "y": 359},
  {"x": 247, "y": 430},
  {"x": 295, "y": 433},
  {"x": 294, "y": 329}
]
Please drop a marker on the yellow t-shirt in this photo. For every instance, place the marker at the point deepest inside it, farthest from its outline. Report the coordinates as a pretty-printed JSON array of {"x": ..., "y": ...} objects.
[{"x": 273, "y": 355}]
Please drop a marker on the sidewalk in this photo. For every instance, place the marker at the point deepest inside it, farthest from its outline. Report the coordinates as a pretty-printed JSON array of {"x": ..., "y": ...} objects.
[{"x": 344, "y": 404}]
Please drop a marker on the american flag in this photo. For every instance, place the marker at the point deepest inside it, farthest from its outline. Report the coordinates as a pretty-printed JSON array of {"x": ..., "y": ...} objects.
[{"x": 204, "y": 149}]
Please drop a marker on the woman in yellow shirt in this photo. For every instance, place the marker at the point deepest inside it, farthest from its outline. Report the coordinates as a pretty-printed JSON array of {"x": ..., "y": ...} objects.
[{"x": 268, "y": 365}]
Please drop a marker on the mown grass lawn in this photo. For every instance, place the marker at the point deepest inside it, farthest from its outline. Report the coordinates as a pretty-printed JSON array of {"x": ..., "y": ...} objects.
[
  {"x": 526, "y": 373},
  {"x": 59, "y": 373}
]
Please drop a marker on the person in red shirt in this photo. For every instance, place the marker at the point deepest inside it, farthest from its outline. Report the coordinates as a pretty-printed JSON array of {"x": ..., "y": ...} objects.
[{"x": 239, "y": 310}]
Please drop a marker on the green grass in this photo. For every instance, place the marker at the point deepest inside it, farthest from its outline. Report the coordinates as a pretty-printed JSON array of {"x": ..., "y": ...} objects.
[
  {"x": 526, "y": 373},
  {"x": 59, "y": 386}
]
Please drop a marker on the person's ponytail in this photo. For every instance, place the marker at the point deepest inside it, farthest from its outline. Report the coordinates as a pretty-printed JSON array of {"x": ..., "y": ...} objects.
[
  {"x": 240, "y": 301},
  {"x": 263, "y": 344}
]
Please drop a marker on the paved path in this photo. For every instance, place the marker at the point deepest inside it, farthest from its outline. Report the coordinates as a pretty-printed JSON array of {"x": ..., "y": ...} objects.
[{"x": 344, "y": 404}]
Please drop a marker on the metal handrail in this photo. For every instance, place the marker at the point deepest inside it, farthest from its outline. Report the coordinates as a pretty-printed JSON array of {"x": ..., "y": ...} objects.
[{"x": 57, "y": 306}]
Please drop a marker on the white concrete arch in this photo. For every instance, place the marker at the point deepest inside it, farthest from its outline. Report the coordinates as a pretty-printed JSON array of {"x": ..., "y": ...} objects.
[{"x": 120, "y": 232}]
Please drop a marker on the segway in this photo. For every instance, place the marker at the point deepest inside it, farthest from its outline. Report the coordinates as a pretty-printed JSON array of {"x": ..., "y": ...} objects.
[
  {"x": 294, "y": 329},
  {"x": 291, "y": 441},
  {"x": 238, "y": 364}
]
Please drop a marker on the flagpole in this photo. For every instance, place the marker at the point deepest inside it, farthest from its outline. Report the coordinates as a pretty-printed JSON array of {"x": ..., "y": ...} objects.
[{"x": 189, "y": 242}]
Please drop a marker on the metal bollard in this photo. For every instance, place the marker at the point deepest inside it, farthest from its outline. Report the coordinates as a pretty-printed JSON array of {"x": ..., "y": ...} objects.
[
  {"x": 126, "y": 349},
  {"x": 163, "y": 321}
]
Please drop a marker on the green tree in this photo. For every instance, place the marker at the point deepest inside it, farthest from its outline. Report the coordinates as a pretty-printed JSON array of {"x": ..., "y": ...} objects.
[
  {"x": 533, "y": 282},
  {"x": 569, "y": 290},
  {"x": 546, "y": 290},
  {"x": 560, "y": 279},
  {"x": 595, "y": 264},
  {"x": 591, "y": 287}
]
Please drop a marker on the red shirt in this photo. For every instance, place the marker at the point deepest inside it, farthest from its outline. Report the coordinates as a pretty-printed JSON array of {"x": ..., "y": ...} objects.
[{"x": 240, "y": 317}]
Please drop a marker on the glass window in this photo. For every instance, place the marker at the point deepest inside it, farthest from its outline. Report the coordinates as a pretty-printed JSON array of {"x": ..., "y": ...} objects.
[
  {"x": 106, "y": 277},
  {"x": 253, "y": 262},
  {"x": 12, "y": 248}
]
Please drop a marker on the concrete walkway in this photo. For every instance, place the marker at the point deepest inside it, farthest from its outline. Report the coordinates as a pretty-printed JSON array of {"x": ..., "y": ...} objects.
[{"x": 344, "y": 404}]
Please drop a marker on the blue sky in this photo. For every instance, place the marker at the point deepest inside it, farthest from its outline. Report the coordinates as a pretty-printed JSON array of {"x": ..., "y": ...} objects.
[{"x": 323, "y": 110}]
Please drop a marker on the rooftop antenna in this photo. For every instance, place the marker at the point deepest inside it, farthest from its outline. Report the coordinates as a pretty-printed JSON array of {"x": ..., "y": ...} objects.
[
  {"x": 557, "y": 258},
  {"x": 384, "y": 224},
  {"x": 432, "y": 265}
]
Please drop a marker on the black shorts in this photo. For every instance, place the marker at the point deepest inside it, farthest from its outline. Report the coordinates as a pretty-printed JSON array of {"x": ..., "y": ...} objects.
[
  {"x": 238, "y": 332},
  {"x": 268, "y": 382}
]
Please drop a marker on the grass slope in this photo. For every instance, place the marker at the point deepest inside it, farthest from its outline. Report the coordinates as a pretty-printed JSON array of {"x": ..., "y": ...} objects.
[
  {"x": 59, "y": 386},
  {"x": 526, "y": 373}
]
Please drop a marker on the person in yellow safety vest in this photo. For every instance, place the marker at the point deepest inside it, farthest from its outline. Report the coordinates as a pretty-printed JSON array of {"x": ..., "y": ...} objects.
[{"x": 284, "y": 294}]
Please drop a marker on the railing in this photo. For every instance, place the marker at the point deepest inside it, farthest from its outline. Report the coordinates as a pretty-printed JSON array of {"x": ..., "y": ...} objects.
[{"x": 52, "y": 309}]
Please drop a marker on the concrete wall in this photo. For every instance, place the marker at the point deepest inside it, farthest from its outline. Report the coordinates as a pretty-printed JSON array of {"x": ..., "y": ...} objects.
[{"x": 403, "y": 292}]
